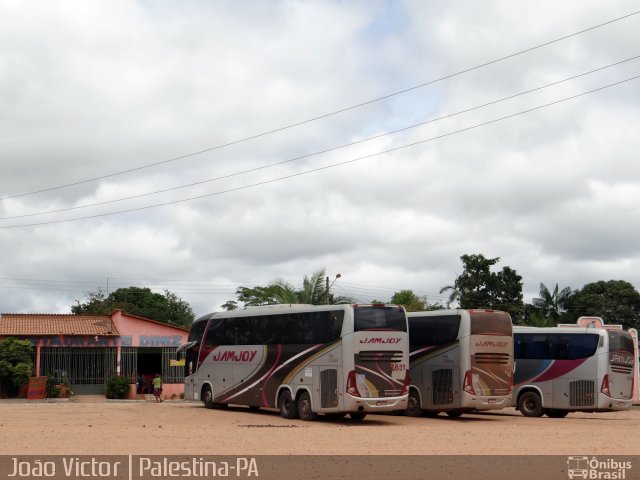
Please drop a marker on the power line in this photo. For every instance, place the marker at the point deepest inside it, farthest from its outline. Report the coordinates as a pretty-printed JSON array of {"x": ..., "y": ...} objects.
[
  {"x": 326, "y": 115},
  {"x": 263, "y": 167},
  {"x": 326, "y": 167}
]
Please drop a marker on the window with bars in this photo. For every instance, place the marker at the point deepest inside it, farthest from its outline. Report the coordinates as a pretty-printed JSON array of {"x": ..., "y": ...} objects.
[
  {"x": 129, "y": 363},
  {"x": 78, "y": 366},
  {"x": 171, "y": 374}
]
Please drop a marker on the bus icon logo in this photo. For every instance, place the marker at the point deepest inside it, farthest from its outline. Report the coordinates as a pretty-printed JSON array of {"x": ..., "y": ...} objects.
[{"x": 578, "y": 467}]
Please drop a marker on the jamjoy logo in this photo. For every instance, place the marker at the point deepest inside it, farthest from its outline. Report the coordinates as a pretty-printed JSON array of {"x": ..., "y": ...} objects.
[
  {"x": 595, "y": 468},
  {"x": 231, "y": 356},
  {"x": 380, "y": 340}
]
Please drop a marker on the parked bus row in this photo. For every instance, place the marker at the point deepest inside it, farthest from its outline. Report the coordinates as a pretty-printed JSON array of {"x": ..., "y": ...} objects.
[{"x": 356, "y": 359}]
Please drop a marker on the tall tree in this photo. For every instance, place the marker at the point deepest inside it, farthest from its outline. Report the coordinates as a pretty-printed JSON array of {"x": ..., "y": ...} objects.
[
  {"x": 478, "y": 287},
  {"x": 616, "y": 301},
  {"x": 167, "y": 308}
]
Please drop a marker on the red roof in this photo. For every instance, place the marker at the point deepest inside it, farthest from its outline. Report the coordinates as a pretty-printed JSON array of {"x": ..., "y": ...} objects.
[{"x": 47, "y": 324}]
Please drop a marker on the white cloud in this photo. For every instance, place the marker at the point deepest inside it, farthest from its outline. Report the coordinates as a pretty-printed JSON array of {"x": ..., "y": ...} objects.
[{"x": 94, "y": 88}]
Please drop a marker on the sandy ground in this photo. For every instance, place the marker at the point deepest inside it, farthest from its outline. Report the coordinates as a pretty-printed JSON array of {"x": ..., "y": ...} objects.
[{"x": 145, "y": 428}]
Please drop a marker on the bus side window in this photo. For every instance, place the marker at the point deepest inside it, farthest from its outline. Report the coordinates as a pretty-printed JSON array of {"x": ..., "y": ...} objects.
[{"x": 563, "y": 350}]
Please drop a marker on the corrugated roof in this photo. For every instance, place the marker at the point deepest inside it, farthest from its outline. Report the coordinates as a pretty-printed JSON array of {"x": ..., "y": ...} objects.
[{"x": 47, "y": 324}]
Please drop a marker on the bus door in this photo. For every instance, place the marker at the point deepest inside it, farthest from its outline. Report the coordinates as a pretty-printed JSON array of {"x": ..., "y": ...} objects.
[
  {"x": 444, "y": 381},
  {"x": 326, "y": 386}
]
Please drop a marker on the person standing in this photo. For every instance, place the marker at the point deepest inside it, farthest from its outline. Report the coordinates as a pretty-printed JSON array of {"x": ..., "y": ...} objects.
[{"x": 157, "y": 387}]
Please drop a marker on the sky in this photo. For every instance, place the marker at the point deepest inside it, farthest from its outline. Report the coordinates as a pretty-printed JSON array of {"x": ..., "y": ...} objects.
[{"x": 213, "y": 115}]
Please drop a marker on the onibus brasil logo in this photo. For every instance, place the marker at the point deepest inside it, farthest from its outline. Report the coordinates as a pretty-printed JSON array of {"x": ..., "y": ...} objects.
[{"x": 597, "y": 468}]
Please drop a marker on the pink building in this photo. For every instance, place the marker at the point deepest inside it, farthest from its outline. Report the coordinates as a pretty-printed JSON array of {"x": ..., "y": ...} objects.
[{"x": 85, "y": 350}]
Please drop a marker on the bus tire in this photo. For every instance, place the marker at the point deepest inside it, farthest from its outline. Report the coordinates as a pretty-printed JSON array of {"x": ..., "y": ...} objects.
[
  {"x": 455, "y": 413},
  {"x": 413, "y": 406},
  {"x": 358, "y": 415},
  {"x": 288, "y": 408},
  {"x": 207, "y": 397},
  {"x": 556, "y": 413},
  {"x": 304, "y": 408},
  {"x": 530, "y": 404}
]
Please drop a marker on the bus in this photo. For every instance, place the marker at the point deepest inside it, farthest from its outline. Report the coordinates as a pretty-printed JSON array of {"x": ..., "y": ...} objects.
[
  {"x": 561, "y": 370},
  {"x": 460, "y": 361},
  {"x": 301, "y": 359}
]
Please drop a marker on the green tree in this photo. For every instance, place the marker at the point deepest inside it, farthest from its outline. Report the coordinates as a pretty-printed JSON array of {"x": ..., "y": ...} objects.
[
  {"x": 414, "y": 303},
  {"x": 256, "y": 296},
  {"x": 229, "y": 305},
  {"x": 167, "y": 308},
  {"x": 478, "y": 287},
  {"x": 552, "y": 304},
  {"x": 616, "y": 301},
  {"x": 15, "y": 364},
  {"x": 410, "y": 301}
]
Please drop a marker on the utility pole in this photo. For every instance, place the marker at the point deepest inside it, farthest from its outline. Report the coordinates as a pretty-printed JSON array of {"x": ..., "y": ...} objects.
[{"x": 328, "y": 286}]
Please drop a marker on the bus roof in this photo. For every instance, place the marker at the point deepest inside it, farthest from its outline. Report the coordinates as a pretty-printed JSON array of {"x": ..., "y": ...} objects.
[
  {"x": 278, "y": 308},
  {"x": 577, "y": 330}
]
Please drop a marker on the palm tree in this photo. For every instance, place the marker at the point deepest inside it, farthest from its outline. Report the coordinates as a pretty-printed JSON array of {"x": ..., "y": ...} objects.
[
  {"x": 552, "y": 304},
  {"x": 454, "y": 296},
  {"x": 314, "y": 291}
]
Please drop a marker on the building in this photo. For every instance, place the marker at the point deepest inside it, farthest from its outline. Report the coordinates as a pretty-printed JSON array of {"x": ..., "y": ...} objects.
[{"x": 85, "y": 350}]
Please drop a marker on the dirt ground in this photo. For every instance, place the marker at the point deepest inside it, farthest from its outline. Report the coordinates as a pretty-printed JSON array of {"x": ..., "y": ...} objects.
[{"x": 170, "y": 428}]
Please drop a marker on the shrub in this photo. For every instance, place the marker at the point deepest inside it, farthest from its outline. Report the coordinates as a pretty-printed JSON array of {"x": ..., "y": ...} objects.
[
  {"x": 53, "y": 390},
  {"x": 15, "y": 364},
  {"x": 117, "y": 387}
]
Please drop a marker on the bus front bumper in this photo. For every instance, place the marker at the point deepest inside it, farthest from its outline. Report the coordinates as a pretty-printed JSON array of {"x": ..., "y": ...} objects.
[
  {"x": 478, "y": 402},
  {"x": 373, "y": 405},
  {"x": 607, "y": 403}
]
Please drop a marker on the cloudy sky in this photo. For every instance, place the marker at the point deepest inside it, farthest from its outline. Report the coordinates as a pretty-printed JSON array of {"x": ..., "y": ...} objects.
[{"x": 107, "y": 100}]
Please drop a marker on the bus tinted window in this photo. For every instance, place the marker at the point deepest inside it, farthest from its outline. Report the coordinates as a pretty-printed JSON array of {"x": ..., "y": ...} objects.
[
  {"x": 197, "y": 331},
  {"x": 560, "y": 346},
  {"x": 380, "y": 318},
  {"x": 286, "y": 328},
  {"x": 620, "y": 341},
  {"x": 493, "y": 323},
  {"x": 429, "y": 331}
]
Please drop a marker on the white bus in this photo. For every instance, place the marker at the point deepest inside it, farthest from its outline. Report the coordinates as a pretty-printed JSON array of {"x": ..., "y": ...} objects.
[
  {"x": 561, "y": 370},
  {"x": 301, "y": 359},
  {"x": 460, "y": 361}
]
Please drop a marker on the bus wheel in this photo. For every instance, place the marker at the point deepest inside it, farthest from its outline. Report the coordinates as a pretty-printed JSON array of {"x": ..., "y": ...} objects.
[
  {"x": 304, "y": 407},
  {"x": 288, "y": 408},
  {"x": 530, "y": 404},
  {"x": 555, "y": 413},
  {"x": 413, "y": 407},
  {"x": 207, "y": 397},
  {"x": 454, "y": 413},
  {"x": 358, "y": 415}
]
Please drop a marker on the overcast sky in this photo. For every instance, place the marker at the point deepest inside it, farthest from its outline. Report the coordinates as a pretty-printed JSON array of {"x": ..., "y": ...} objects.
[{"x": 92, "y": 89}]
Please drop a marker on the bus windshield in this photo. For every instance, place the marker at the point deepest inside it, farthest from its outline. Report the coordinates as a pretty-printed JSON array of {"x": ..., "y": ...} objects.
[
  {"x": 620, "y": 341},
  {"x": 379, "y": 318},
  {"x": 493, "y": 323}
]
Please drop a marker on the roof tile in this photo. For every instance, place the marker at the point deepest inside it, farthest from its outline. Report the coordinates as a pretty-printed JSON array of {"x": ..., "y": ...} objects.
[{"x": 47, "y": 324}]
